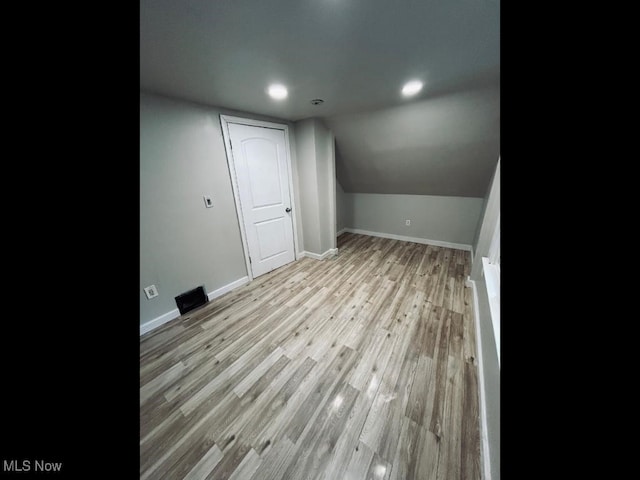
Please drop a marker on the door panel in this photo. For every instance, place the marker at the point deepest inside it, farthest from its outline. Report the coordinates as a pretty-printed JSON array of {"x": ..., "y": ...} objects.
[
  {"x": 271, "y": 237},
  {"x": 259, "y": 158},
  {"x": 264, "y": 172}
]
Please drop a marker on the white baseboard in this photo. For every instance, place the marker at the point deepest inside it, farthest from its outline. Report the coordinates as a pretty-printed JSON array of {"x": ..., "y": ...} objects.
[
  {"x": 484, "y": 435},
  {"x": 344, "y": 230},
  {"x": 167, "y": 317},
  {"x": 425, "y": 241},
  {"x": 227, "y": 288},
  {"x": 315, "y": 256},
  {"x": 158, "y": 321}
]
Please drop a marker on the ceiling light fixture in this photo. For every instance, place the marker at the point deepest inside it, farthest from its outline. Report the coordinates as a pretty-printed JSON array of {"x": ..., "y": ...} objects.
[
  {"x": 317, "y": 101},
  {"x": 278, "y": 92},
  {"x": 411, "y": 88}
]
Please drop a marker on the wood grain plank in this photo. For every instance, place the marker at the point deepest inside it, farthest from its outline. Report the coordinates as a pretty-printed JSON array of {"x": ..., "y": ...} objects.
[
  {"x": 262, "y": 402},
  {"x": 459, "y": 287},
  {"x": 249, "y": 465},
  {"x": 325, "y": 387},
  {"x": 205, "y": 465},
  {"x": 416, "y": 406},
  {"x": 234, "y": 412},
  {"x": 270, "y": 407},
  {"x": 247, "y": 382},
  {"x": 469, "y": 333},
  {"x": 197, "y": 378},
  {"x": 231, "y": 461},
  {"x": 371, "y": 364},
  {"x": 470, "y": 434},
  {"x": 393, "y": 312},
  {"x": 448, "y": 299},
  {"x": 442, "y": 285},
  {"x": 348, "y": 441},
  {"x": 382, "y": 427},
  {"x": 281, "y": 422},
  {"x": 432, "y": 335},
  {"x": 449, "y": 454},
  {"x": 416, "y": 455},
  {"x": 286, "y": 376},
  {"x": 227, "y": 378},
  {"x": 383, "y": 437},
  {"x": 456, "y": 335},
  {"x": 276, "y": 461},
  {"x": 358, "y": 465},
  {"x": 235, "y": 343},
  {"x": 318, "y": 442},
  {"x": 440, "y": 380},
  {"x": 379, "y": 468},
  {"x": 212, "y": 428}
]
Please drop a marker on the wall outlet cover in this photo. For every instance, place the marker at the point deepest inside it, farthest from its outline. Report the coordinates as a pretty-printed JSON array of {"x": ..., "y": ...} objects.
[{"x": 151, "y": 291}]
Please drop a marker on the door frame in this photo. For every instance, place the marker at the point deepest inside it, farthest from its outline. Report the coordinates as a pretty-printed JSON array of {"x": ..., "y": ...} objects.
[{"x": 225, "y": 120}]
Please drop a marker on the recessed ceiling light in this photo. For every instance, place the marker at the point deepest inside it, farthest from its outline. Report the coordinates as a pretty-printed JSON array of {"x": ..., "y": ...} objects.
[
  {"x": 278, "y": 92},
  {"x": 411, "y": 88},
  {"x": 317, "y": 101}
]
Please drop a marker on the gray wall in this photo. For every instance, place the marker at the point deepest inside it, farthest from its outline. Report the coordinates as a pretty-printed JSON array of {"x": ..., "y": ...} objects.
[
  {"x": 308, "y": 181},
  {"x": 316, "y": 175},
  {"x": 446, "y": 219},
  {"x": 478, "y": 228},
  {"x": 182, "y": 243},
  {"x": 341, "y": 208},
  {"x": 325, "y": 166}
]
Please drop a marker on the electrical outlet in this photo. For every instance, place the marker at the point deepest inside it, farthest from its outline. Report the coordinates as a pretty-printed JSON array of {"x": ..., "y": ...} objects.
[
  {"x": 407, "y": 223},
  {"x": 208, "y": 202},
  {"x": 151, "y": 291}
]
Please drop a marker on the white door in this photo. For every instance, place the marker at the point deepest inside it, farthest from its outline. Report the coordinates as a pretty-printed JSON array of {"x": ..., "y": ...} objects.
[{"x": 260, "y": 162}]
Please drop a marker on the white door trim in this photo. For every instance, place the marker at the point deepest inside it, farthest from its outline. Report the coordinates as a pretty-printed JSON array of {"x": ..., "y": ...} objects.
[{"x": 225, "y": 120}]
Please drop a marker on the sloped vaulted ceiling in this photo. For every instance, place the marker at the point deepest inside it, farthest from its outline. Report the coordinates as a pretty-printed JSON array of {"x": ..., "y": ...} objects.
[
  {"x": 443, "y": 145},
  {"x": 355, "y": 55}
]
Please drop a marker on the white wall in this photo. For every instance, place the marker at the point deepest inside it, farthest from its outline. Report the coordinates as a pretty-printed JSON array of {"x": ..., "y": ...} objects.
[
  {"x": 182, "y": 243},
  {"x": 490, "y": 379},
  {"x": 444, "y": 219},
  {"x": 491, "y": 366},
  {"x": 487, "y": 225}
]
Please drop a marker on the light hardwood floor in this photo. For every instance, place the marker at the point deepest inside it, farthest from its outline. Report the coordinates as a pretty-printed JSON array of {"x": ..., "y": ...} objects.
[{"x": 361, "y": 366}]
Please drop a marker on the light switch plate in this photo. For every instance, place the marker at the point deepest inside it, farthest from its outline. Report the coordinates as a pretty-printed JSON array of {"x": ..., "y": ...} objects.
[{"x": 208, "y": 202}]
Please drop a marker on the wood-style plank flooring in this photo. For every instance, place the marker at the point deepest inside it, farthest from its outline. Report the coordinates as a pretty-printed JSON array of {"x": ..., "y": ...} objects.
[{"x": 361, "y": 366}]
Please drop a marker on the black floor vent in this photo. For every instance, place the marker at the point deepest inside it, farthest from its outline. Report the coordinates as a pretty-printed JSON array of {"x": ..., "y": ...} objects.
[{"x": 187, "y": 301}]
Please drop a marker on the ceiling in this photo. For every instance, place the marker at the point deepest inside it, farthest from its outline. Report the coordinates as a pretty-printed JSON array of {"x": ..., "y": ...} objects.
[
  {"x": 355, "y": 55},
  {"x": 447, "y": 145}
]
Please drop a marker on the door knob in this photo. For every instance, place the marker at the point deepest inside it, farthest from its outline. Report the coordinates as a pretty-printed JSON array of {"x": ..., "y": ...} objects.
[{"x": 287, "y": 209}]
